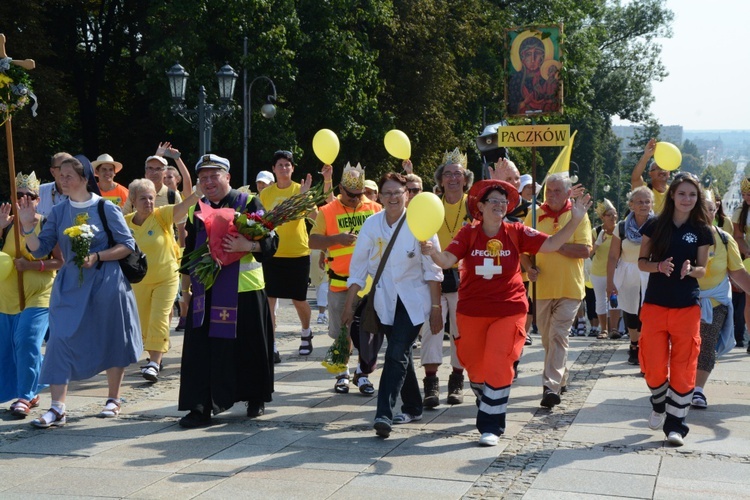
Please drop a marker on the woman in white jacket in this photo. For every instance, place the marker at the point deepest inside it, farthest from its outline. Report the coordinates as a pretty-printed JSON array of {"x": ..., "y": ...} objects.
[{"x": 406, "y": 296}]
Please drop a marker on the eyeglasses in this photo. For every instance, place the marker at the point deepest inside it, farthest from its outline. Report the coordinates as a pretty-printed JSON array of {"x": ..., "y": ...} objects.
[
  {"x": 394, "y": 194},
  {"x": 154, "y": 169},
  {"x": 370, "y": 192},
  {"x": 453, "y": 174},
  {"x": 349, "y": 193},
  {"x": 414, "y": 190},
  {"x": 31, "y": 196},
  {"x": 56, "y": 166},
  {"x": 494, "y": 201}
]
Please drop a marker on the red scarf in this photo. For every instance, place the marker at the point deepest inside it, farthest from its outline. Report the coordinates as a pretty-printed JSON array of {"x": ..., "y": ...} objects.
[{"x": 548, "y": 212}]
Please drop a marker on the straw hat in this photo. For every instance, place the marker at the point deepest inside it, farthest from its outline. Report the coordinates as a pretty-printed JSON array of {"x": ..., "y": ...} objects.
[{"x": 105, "y": 158}]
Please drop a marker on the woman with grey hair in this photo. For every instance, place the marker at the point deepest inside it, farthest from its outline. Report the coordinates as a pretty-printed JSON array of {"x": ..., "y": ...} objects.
[{"x": 153, "y": 230}]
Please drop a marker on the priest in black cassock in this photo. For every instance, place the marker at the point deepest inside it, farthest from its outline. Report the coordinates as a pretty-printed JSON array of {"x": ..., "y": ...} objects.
[{"x": 227, "y": 354}]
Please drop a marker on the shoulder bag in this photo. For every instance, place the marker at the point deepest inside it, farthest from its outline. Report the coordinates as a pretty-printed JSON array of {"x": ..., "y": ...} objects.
[{"x": 134, "y": 265}]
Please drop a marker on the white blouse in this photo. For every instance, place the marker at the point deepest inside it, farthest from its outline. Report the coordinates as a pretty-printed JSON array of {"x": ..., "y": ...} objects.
[{"x": 406, "y": 272}]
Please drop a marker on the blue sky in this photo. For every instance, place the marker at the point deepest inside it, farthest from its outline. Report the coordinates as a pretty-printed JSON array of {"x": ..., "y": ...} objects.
[{"x": 708, "y": 87}]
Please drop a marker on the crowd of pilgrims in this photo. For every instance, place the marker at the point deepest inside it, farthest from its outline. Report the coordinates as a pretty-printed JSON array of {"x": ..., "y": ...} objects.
[{"x": 668, "y": 277}]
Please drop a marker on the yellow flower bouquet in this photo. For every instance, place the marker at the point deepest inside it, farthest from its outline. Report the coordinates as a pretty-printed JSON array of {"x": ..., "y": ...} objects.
[
  {"x": 81, "y": 235},
  {"x": 337, "y": 357}
]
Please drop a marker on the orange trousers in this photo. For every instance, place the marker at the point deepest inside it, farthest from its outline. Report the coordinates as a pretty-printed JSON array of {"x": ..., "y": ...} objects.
[
  {"x": 488, "y": 347},
  {"x": 669, "y": 346}
]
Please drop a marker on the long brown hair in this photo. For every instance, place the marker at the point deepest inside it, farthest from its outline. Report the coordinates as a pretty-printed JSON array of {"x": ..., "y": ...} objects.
[{"x": 662, "y": 235}]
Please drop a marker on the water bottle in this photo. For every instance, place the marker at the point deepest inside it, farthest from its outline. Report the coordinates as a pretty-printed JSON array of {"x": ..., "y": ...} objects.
[{"x": 613, "y": 301}]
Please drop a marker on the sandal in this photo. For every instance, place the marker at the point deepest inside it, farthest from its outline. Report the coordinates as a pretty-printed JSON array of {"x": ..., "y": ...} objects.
[
  {"x": 305, "y": 346},
  {"x": 363, "y": 383},
  {"x": 22, "y": 407},
  {"x": 111, "y": 408},
  {"x": 342, "y": 384},
  {"x": 52, "y": 418},
  {"x": 151, "y": 371},
  {"x": 603, "y": 335}
]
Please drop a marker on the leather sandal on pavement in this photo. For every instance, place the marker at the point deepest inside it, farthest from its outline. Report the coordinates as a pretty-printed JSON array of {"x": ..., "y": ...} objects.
[
  {"x": 603, "y": 335},
  {"x": 305, "y": 346},
  {"x": 363, "y": 383},
  {"x": 22, "y": 407},
  {"x": 111, "y": 408},
  {"x": 52, "y": 418},
  {"x": 342, "y": 384}
]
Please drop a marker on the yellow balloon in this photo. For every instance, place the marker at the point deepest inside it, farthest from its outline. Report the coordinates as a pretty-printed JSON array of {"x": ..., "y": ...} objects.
[
  {"x": 6, "y": 265},
  {"x": 397, "y": 144},
  {"x": 667, "y": 156},
  {"x": 425, "y": 215},
  {"x": 326, "y": 146}
]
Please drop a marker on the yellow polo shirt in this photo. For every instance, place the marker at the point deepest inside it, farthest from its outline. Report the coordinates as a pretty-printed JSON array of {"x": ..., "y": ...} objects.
[
  {"x": 721, "y": 258},
  {"x": 292, "y": 235},
  {"x": 560, "y": 276},
  {"x": 158, "y": 246}
]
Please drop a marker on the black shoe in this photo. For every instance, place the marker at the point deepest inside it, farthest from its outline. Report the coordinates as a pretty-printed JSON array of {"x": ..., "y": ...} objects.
[
  {"x": 382, "y": 427},
  {"x": 563, "y": 389},
  {"x": 255, "y": 409},
  {"x": 195, "y": 419},
  {"x": 431, "y": 391},
  {"x": 276, "y": 357},
  {"x": 528, "y": 340},
  {"x": 633, "y": 356},
  {"x": 550, "y": 398}
]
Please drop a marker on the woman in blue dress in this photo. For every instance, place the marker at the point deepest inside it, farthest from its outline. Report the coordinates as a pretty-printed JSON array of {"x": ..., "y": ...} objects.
[{"x": 93, "y": 316}]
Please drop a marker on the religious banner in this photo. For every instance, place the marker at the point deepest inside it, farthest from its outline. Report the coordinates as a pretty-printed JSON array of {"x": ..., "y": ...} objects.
[{"x": 533, "y": 86}]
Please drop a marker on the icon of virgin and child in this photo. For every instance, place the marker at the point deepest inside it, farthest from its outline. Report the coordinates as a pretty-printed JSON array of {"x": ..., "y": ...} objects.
[{"x": 534, "y": 86}]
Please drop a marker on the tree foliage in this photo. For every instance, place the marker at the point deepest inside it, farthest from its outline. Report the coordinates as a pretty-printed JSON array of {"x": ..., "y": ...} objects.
[{"x": 432, "y": 68}]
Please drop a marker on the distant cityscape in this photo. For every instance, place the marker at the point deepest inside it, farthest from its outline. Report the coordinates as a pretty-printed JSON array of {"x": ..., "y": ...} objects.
[{"x": 714, "y": 145}]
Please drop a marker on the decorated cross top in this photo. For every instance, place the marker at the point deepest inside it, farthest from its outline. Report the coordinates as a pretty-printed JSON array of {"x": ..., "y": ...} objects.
[
  {"x": 15, "y": 84},
  {"x": 15, "y": 92}
]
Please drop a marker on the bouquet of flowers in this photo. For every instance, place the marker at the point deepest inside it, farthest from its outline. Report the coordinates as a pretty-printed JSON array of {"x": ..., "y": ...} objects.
[
  {"x": 81, "y": 235},
  {"x": 337, "y": 357},
  {"x": 206, "y": 261}
]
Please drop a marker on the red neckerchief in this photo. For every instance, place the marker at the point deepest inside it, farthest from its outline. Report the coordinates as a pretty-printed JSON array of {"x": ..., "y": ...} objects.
[{"x": 548, "y": 212}]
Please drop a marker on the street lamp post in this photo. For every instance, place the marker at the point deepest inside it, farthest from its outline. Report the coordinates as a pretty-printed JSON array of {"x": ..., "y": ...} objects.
[
  {"x": 204, "y": 116},
  {"x": 267, "y": 111}
]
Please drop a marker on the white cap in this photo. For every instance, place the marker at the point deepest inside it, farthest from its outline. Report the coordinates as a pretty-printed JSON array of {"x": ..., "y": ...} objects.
[
  {"x": 212, "y": 161},
  {"x": 525, "y": 181},
  {"x": 160, "y": 159},
  {"x": 265, "y": 176}
]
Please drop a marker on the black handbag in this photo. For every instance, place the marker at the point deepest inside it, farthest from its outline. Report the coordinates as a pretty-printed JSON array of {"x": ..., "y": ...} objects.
[
  {"x": 369, "y": 321},
  {"x": 134, "y": 265},
  {"x": 451, "y": 280}
]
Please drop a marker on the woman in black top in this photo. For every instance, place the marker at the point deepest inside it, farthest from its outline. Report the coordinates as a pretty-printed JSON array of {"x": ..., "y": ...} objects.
[{"x": 674, "y": 249}]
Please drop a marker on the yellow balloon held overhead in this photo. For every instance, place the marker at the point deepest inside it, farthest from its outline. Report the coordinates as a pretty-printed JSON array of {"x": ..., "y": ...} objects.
[
  {"x": 6, "y": 265},
  {"x": 425, "y": 215},
  {"x": 326, "y": 146},
  {"x": 397, "y": 144},
  {"x": 667, "y": 156}
]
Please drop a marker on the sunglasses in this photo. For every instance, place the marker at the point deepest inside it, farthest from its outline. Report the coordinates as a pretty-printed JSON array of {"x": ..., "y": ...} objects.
[
  {"x": 414, "y": 190},
  {"x": 349, "y": 193},
  {"x": 284, "y": 152},
  {"x": 31, "y": 196}
]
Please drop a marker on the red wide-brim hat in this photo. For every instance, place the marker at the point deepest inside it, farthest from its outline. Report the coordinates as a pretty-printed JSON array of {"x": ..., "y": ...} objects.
[{"x": 479, "y": 189}]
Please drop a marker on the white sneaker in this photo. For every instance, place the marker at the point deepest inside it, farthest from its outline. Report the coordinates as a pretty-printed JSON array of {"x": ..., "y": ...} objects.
[
  {"x": 675, "y": 439},
  {"x": 656, "y": 420},
  {"x": 488, "y": 439},
  {"x": 322, "y": 319}
]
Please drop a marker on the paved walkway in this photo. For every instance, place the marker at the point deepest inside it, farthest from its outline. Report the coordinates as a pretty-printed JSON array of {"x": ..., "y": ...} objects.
[{"x": 315, "y": 444}]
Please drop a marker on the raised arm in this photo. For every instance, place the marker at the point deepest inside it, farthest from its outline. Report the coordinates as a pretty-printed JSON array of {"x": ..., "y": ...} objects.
[{"x": 636, "y": 178}]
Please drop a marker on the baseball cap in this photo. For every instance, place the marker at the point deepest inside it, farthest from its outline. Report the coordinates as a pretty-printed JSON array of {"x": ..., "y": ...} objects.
[
  {"x": 160, "y": 159},
  {"x": 265, "y": 176}
]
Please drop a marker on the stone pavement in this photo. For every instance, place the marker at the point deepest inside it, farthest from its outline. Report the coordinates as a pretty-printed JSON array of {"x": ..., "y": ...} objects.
[{"x": 314, "y": 444}]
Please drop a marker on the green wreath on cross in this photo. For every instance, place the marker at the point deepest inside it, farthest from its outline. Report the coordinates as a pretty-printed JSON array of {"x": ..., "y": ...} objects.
[{"x": 15, "y": 90}]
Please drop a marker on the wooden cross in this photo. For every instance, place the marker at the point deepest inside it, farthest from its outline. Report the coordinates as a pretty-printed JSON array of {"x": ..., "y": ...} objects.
[{"x": 27, "y": 64}]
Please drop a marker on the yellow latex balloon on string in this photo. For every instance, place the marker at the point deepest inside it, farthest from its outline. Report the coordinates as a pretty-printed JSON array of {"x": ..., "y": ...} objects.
[
  {"x": 425, "y": 215},
  {"x": 6, "y": 265},
  {"x": 326, "y": 146},
  {"x": 397, "y": 144},
  {"x": 667, "y": 156}
]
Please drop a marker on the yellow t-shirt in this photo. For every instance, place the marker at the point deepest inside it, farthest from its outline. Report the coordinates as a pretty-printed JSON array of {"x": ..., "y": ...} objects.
[
  {"x": 158, "y": 246},
  {"x": 659, "y": 200},
  {"x": 560, "y": 276},
  {"x": 455, "y": 218},
  {"x": 37, "y": 285},
  {"x": 599, "y": 262},
  {"x": 744, "y": 224},
  {"x": 721, "y": 258},
  {"x": 292, "y": 235}
]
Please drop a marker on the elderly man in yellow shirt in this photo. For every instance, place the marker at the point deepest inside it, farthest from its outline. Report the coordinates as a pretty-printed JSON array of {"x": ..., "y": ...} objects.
[{"x": 559, "y": 284}]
